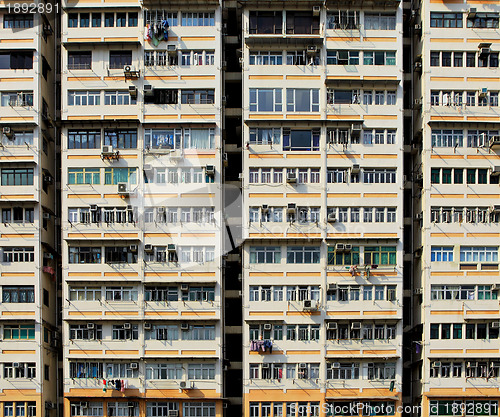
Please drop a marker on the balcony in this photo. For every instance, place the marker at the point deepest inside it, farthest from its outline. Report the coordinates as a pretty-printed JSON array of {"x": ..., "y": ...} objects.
[
  {"x": 101, "y": 112},
  {"x": 376, "y": 309}
]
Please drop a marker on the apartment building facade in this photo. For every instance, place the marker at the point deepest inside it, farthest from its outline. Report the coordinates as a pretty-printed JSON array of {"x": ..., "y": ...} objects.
[
  {"x": 456, "y": 169},
  {"x": 322, "y": 218},
  {"x": 142, "y": 219},
  {"x": 29, "y": 338}
]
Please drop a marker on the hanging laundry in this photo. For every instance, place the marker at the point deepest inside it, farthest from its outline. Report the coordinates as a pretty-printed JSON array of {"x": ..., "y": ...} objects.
[
  {"x": 165, "y": 30},
  {"x": 104, "y": 388},
  {"x": 122, "y": 386}
]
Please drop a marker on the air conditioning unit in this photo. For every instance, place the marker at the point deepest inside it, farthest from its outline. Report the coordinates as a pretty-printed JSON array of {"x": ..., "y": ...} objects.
[
  {"x": 419, "y": 216},
  {"x": 356, "y": 325},
  {"x": 495, "y": 325},
  {"x": 336, "y": 365},
  {"x": 108, "y": 150},
  {"x": 291, "y": 177},
  {"x": 483, "y": 92},
  {"x": 132, "y": 248},
  {"x": 312, "y": 49},
  {"x": 184, "y": 287},
  {"x": 339, "y": 247},
  {"x": 332, "y": 218},
  {"x": 90, "y": 326},
  {"x": 210, "y": 170},
  {"x": 332, "y": 287},
  {"x": 302, "y": 365},
  {"x": 436, "y": 364},
  {"x": 127, "y": 326},
  {"x": 131, "y": 404},
  {"x": 134, "y": 365},
  {"x": 123, "y": 188},
  {"x": 266, "y": 366},
  {"x": 264, "y": 208},
  {"x": 357, "y": 127},
  {"x": 148, "y": 90},
  {"x": 173, "y": 413},
  {"x": 310, "y": 305},
  {"x": 485, "y": 51},
  {"x": 347, "y": 247},
  {"x": 16, "y": 365},
  {"x": 171, "y": 247},
  {"x": 291, "y": 208},
  {"x": 417, "y": 66},
  {"x": 316, "y": 10},
  {"x": 472, "y": 13},
  {"x": 147, "y": 326},
  {"x": 148, "y": 248},
  {"x": 495, "y": 287},
  {"x": 129, "y": 69},
  {"x": 132, "y": 90},
  {"x": 46, "y": 216},
  {"x": 332, "y": 325},
  {"x": 418, "y": 27},
  {"x": 355, "y": 169},
  {"x": 7, "y": 131},
  {"x": 171, "y": 49},
  {"x": 267, "y": 326},
  {"x": 94, "y": 207},
  {"x": 184, "y": 326},
  {"x": 418, "y": 291}
]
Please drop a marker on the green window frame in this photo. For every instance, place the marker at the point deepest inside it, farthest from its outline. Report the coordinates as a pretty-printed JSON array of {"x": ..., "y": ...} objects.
[
  {"x": 77, "y": 176},
  {"x": 380, "y": 255},
  {"x": 343, "y": 258}
]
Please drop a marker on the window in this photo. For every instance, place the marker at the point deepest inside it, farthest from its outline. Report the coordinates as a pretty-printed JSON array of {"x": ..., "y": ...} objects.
[
  {"x": 301, "y": 23},
  {"x": 96, "y": 20},
  {"x": 194, "y": 409},
  {"x": 483, "y": 20},
  {"x": 160, "y": 58},
  {"x": 84, "y": 176},
  {"x": 85, "y": 293},
  {"x": 380, "y": 21},
  {"x": 302, "y": 100},
  {"x": 379, "y": 58},
  {"x": 266, "y": 58},
  {"x": 119, "y": 254},
  {"x": 262, "y": 99},
  {"x": 17, "y": 99},
  {"x": 11, "y": 294},
  {"x": 118, "y": 98},
  {"x": 379, "y": 176},
  {"x": 343, "y": 258},
  {"x": 446, "y": 20},
  {"x": 164, "y": 371},
  {"x": 301, "y": 140},
  {"x": 113, "y": 176},
  {"x": 380, "y": 255},
  {"x": 94, "y": 409},
  {"x": 264, "y": 22},
  {"x": 18, "y": 215},
  {"x": 201, "y": 371},
  {"x": 478, "y": 254},
  {"x": 121, "y": 138},
  {"x": 19, "y": 331},
  {"x": 342, "y": 57},
  {"x": 265, "y": 136},
  {"x": 18, "y": 254},
  {"x": 84, "y": 255},
  {"x": 125, "y": 331},
  {"x": 20, "y": 138},
  {"x": 442, "y": 254},
  {"x": 198, "y": 19},
  {"x": 84, "y": 139},
  {"x": 23, "y": 370},
  {"x": 303, "y": 255},
  {"x": 158, "y": 409},
  {"x": 17, "y": 176},
  {"x": 18, "y": 21},
  {"x": 118, "y": 59},
  {"x": 343, "y": 19},
  {"x": 123, "y": 408},
  {"x": 153, "y": 16},
  {"x": 447, "y": 138},
  {"x": 197, "y": 96},
  {"x": 16, "y": 60},
  {"x": 84, "y": 98}
]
